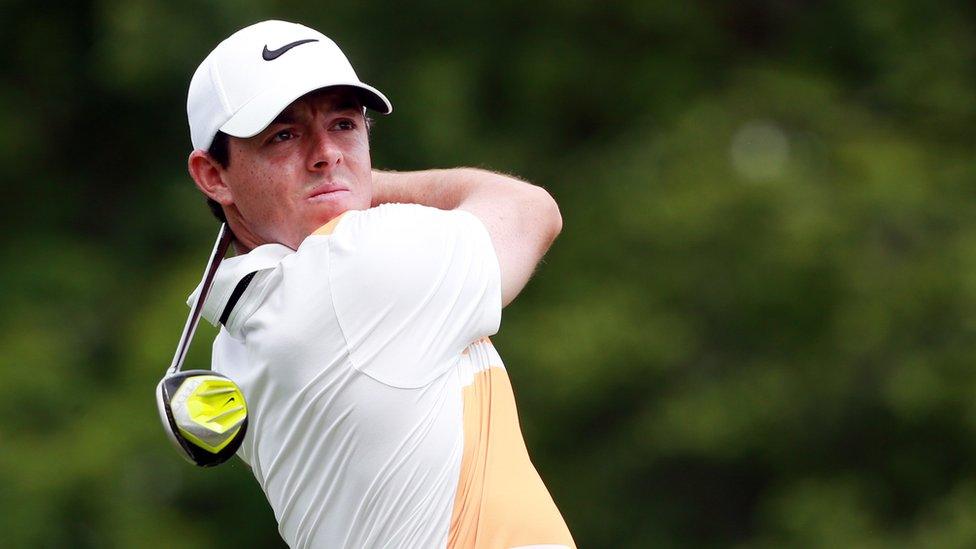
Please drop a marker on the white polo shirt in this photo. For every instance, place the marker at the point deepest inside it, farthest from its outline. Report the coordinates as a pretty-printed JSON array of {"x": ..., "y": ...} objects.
[{"x": 380, "y": 413}]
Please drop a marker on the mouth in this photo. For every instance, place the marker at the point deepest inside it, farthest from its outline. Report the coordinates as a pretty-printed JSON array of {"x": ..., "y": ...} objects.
[{"x": 326, "y": 191}]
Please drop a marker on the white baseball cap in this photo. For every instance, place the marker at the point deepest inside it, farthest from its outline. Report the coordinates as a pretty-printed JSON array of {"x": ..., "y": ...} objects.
[{"x": 250, "y": 77}]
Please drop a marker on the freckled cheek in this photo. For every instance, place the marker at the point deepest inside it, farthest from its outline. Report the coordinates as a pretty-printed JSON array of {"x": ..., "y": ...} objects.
[
  {"x": 261, "y": 195},
  {"x": 277, "y": 195}
]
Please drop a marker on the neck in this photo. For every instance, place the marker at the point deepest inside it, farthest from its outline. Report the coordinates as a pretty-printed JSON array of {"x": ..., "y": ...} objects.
[{"x": 244, "y": 239}]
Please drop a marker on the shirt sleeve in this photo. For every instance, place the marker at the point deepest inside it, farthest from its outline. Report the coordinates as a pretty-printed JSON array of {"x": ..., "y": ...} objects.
[{"x": 413, "y": 286}]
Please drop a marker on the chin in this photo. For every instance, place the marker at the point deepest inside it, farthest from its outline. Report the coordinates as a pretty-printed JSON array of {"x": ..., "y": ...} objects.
[{"x": 326, "y": 211}]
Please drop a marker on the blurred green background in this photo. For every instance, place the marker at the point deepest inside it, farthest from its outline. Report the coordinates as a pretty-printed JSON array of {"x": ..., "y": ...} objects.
[{"x": 756, "y": 330}]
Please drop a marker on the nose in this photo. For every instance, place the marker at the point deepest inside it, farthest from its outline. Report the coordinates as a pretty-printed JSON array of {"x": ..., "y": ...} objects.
[{"x": 325, "y": 152}]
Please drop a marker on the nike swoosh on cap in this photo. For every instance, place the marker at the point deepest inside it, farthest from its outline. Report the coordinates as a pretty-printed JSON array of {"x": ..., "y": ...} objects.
[{"x": 271, "y": 55}]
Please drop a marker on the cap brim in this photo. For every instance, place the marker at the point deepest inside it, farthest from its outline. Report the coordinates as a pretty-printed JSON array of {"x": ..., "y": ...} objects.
[{"x": 257, "y": 113}]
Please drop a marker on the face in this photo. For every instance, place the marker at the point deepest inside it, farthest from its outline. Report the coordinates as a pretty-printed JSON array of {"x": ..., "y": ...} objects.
[{"x": 308, "y": 166}]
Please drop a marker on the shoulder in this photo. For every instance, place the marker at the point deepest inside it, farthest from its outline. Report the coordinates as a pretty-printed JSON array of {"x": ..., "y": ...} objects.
[
  {"x": 393, "y": 232},
  {"x": 411, "y": 286}
]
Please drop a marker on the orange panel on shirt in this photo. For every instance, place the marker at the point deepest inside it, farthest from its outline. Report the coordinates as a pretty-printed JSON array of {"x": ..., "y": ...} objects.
[
  {"x": 330, "y": 226},
  {"x": 501, "y": 501}
]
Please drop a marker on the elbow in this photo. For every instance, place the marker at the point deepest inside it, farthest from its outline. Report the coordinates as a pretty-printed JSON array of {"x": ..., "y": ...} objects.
[
  {"x": 538, "y": 210},
  {"x": 550, "y": 219},
  {"x": 556, "y": 218}
]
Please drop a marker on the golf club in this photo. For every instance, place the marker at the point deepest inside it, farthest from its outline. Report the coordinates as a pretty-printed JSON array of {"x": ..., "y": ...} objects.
[{"x": 203, "y": 412}]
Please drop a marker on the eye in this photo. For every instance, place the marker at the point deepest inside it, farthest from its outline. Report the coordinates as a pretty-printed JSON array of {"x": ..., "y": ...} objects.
[
  {"x": 283, "y": 135},
  {"x": 344, "y": 125}
]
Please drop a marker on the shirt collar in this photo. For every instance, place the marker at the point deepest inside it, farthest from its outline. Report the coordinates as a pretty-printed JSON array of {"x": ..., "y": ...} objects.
[{"x": 231, "y": 271}]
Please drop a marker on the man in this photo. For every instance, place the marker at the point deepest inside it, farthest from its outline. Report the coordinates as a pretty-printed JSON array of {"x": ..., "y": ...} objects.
[{"x": 356, "y": 315}]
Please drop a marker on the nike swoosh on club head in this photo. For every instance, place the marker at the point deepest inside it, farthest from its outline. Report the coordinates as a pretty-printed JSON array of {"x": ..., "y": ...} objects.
[{"x": 271, "y": 55}]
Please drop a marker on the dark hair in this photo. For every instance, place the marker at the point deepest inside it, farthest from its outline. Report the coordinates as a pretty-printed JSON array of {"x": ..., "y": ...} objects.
[{"x": 220, "y": 151}]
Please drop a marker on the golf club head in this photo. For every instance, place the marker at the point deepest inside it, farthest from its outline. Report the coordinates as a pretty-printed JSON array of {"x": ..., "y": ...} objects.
[{"x": 204, "y": 415}]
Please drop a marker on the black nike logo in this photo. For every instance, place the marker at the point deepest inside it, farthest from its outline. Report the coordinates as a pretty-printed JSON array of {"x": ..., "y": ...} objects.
[{"x": 271, "y": 55}]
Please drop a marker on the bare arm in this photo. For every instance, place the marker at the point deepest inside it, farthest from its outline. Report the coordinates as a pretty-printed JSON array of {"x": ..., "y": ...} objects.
[{"x": 522, "y": 219}]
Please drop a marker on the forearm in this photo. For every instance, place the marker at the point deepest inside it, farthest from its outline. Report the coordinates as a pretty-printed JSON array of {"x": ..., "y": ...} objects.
[{"x": 444, "y": 189}]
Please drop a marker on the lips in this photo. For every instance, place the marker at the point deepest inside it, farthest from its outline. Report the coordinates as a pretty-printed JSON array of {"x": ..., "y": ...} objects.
[{"x": 323, "y": 191}]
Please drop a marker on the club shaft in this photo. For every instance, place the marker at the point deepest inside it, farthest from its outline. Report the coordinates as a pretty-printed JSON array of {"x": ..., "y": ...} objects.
[{"x": 220, "y": 249}]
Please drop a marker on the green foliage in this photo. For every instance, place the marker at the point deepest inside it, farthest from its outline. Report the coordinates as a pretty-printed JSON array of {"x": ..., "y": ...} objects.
[{"x": 756, "y": 329}]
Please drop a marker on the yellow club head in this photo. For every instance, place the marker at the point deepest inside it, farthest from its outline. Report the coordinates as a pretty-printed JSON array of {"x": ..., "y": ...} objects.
[{"x": 204, "y": 414}]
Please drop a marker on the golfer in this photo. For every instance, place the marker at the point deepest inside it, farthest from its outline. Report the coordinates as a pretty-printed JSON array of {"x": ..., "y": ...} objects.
[{"x": 356, "y": 314}]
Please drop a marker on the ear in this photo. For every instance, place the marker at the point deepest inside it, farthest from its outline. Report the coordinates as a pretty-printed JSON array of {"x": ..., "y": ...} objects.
[{"x": 208, "y": 175}]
